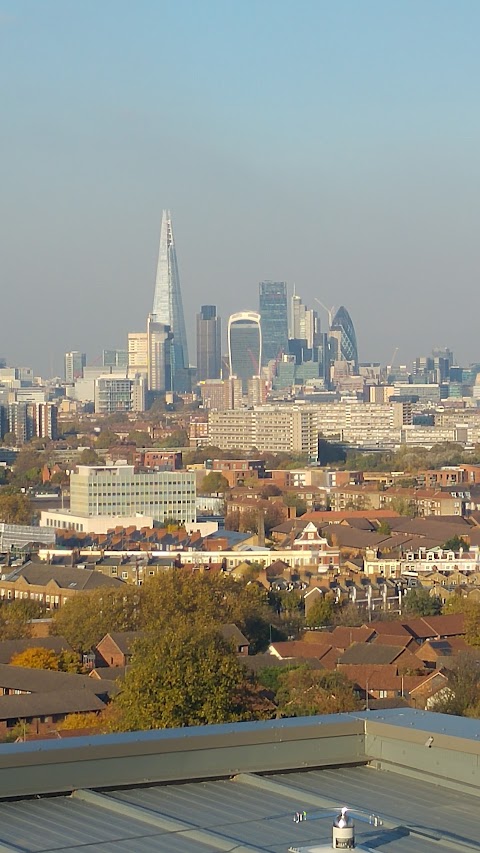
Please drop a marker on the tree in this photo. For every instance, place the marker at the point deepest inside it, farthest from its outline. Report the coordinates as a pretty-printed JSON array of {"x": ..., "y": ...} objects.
[
  {"x": 462, "y": 696},
  {"x": 15, "y": 618},
  {"x": 70, "y": 662},
  {"x": 15, "y": 509},
  {"x": 472, "y": 622},
  {"x": 36, "y": 658},
  {"x": 270, "y": 491},
  {"x": 89, "y": 456},
  {"x": 349, "y": 615},
  {"x": 86, "y": 618},
  {"x": 178, "y": 438},
  {"x": 304, "y": 692},
  {"x": 213, "y": 483},
  {"x": 87, "y": 720},
  {"x": 296, "y": 501},
  {"x": 384, "y": 528},
  {"x": 455, "y": 543},
  {"x": 106, "y": 439},
  {"x": 140, "y": 438},
  {"x": 419, "y": 602},
  {"x": 9, "y": 439},
  {"x": 321, "y": 613},
  {"x": 216, "y": 598},
  {"x": 403, "y": 506},
  {"x": 186, "y": 677}
]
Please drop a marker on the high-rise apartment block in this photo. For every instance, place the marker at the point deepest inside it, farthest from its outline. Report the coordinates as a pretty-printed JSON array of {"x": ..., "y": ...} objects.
[
  {"x": 137, "y": 353},
  {"x": 30, "y": 420},
  {"x": 209, "y": 351},
  {"x": 74, "y": 364},
  {"x": 168, "y": 306},
  {"x": 279, "y": 429},
  {"x": 273, "y": 310},
  {"x": 114, "y": 393},
  {"x": 244, "y": 345},
  {"x": 159, "y": 355}
]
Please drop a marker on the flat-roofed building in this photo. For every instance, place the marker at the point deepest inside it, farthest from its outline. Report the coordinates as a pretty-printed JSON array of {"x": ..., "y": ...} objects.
[{"x": 119, "y": 491}]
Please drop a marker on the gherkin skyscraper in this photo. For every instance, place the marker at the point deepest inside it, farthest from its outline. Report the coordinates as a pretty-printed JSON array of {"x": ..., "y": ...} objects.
[{"x": 168, "y": 306}]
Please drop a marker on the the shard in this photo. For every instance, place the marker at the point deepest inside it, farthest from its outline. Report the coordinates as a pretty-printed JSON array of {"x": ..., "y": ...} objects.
[{"x": 168, "y": 306}]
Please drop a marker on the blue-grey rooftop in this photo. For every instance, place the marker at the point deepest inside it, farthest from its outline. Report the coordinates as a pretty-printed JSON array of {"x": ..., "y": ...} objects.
[
  {"x": 236, "y": 815},
  {"x": 418, "y": 771}
]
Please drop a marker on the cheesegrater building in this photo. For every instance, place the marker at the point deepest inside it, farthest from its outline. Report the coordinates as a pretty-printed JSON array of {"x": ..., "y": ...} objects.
[{"x": 168, "y": 305}]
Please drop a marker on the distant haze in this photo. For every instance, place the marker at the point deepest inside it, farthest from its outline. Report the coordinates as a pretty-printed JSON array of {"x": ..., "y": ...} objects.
[{"x": 333, "y": 145}]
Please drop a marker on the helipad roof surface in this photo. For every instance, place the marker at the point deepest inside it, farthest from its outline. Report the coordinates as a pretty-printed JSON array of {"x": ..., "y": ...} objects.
[{"x": 246, "y": 813}]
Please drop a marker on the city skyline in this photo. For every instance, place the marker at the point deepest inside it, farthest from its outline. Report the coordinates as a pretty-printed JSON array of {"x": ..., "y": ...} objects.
[{"x": 349, "y": 168}]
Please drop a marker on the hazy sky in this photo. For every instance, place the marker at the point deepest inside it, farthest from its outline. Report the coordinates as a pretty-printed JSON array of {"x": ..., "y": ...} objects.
[{"x": 334, "y": 145}]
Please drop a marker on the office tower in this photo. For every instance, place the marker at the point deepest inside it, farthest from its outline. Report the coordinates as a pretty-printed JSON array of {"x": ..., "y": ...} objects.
[
  {"x": 159, "y": 346},
  {"x": 274, "y": 319},
  {"x": 115, "y": 393},
  {"x": 304, "y": 322},
  {"x": 137, "y": 353},
  {"x": 244, "y": 345},
  {"x": 74, "y": 364},
  {"x": 167, "y": 304},
  {"x": 208, "y": 343},
  {"x": 115, "y": 358},
  {"x": 343, "y": 339}
]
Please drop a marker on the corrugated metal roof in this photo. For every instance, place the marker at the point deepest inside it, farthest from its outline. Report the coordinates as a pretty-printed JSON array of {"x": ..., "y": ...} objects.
[{"x": 236, "y": 815}]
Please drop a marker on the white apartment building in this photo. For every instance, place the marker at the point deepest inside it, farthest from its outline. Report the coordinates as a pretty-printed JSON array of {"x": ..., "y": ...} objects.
[
  {"x": 279, "y": 429},
  {"x": 118, "y": 491}
]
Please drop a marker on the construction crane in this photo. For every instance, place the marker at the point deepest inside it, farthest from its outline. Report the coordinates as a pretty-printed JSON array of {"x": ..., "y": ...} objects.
[
  {"x": 392, "y": 360},
  {"x": 328, "y": 310}
]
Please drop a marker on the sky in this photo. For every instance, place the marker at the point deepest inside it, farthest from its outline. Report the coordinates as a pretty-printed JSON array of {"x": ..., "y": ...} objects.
[{"x": 332, "y": 144}]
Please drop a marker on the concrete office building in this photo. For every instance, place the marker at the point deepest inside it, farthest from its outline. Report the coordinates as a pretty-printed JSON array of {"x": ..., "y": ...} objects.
[
  {"x": 118, "y": 491},
  {"x": 209, "y": 354}
]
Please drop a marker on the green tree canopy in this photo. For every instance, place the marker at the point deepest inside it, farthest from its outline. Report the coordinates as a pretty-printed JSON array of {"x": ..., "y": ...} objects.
[
  {"x": 106, "y": 439},
  {"x": 15, "y": 509},
  {"x": 321, "y": 613},
  {"x": 214, "y": 482},
  {"x": 304, "y": 692},
  {"x": 462, "y": 695},
  {"x": 162, "y": 602},
  {"x": 86, "y": 618},
  {"x": 186, "y": 677},
  {"x": 419, "y": 602},
  {"x": 89, "y": 456},
  {"x": 455, "y": 543}
]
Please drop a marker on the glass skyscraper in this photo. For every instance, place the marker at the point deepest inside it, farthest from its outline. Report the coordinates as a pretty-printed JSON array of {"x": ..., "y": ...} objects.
[
  {"x": 244, "y": 346},
  {"x": 209, "y": 353},
  {"x": 344, "y": 338},
  {"x": 274, "y": 313},
  {"x": 168, "y": 306}
]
